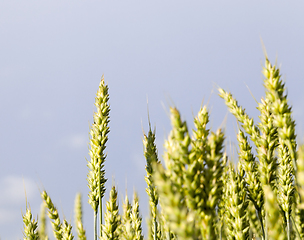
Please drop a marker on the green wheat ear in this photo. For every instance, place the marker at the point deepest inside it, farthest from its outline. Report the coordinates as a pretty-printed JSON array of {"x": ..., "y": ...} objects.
[
  {"x": 111, "y": 227},
  {"x": 42, "y": 228},
  {"x": 177, "y": 151},
  {"x": 150, "y": 153},
  {"x": 66, "y": 231},
  {"x": 78, "y": 218},
  {"x": 53, "y": 215},
  {"x": 180, "y": 220},
  {"x": 237, "y": 205},
  {"x": 99, "y": 137},
  {"x": 126, "y": 229},
  {"x": 30, "y": 226},
  {"x": 274, "y": 219},
  {"x": 299, "y": 211},
  {"x": 136, "y": 218}
]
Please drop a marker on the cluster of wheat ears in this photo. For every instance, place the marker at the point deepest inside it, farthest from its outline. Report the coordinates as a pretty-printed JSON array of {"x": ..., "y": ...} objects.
[{"x": 198, "y": 193}]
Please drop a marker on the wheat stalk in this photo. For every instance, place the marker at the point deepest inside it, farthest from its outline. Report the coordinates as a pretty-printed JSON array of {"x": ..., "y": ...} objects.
[
  {"x": 99, "y": 137},
  {"x": 150, "y": 153}
]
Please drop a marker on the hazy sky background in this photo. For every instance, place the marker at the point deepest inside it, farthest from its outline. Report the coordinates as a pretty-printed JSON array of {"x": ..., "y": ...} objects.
[{"x": 52, "y": 57}]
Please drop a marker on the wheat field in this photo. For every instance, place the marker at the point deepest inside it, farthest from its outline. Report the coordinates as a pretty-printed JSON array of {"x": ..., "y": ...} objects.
[{"x": 195, "y": 191}]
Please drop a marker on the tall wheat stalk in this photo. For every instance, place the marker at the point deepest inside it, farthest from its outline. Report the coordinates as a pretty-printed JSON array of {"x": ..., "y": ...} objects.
[{"x": 99, "y": 137}]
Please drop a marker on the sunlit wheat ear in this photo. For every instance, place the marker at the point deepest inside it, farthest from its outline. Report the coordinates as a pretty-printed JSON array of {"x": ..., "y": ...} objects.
[
  {"x": 240, "y": 114},
  {"x": 53, "y": 215},
  {"x": 42, "y": 228},
  {"x": 236, "y": 206},
  {"x": 194, "y": 174},
  {"x": 254, "y": 222},
  {"x": 299, "y": 212},
  {"x": 180, "y": 221},
  {"x": 99, "y": 137},
  {"x": 267, "y": 145},
  {"x": 221, "y": 210},
  {"x": 30, "y": 226},
  {"x": 112, "y": 219},
  {"x": 213, "y": 185},
  {"x": 275, "y": 222},
  {"x": 150, "y": 153},
  {"x": 285, "y": 125},
  {"x": 136, "y": 218},
  {"x": 66, "y": 231},
  {"x": 176, "y": 153},
  {"x": 249, "y": 164},
  {"x": 126, "y": 230},
  {"x": 276, "y": 93},
  {"x": 78, "y": 218}
]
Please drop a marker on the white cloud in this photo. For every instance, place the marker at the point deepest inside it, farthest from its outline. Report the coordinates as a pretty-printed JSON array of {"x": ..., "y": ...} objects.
[
  {"x": 76, "y": 141},
  {"x": 14, "y": 188}
]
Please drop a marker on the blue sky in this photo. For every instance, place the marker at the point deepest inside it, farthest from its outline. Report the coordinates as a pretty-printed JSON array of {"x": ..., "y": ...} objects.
[{"x": 53, "y": 54}]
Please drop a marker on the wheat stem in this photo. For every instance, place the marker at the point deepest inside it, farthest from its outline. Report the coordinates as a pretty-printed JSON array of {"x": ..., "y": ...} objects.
[{"x": 99, "y": 137}]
